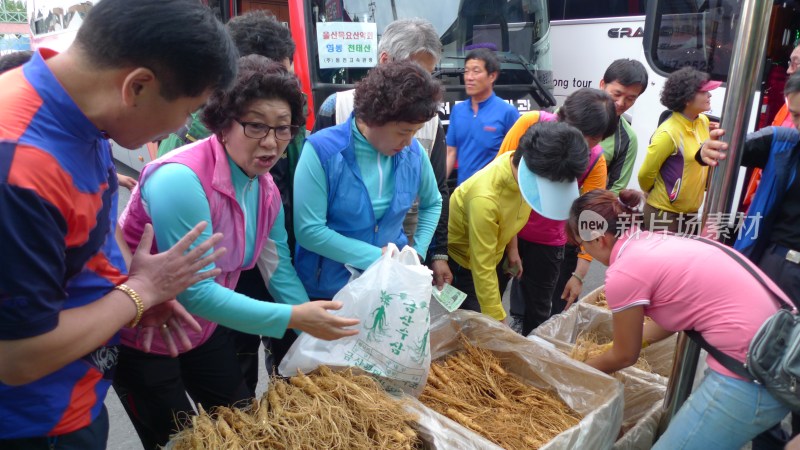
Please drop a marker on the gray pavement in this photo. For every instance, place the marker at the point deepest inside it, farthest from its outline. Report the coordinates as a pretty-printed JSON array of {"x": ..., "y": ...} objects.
[{"x": 122, "y": 436}]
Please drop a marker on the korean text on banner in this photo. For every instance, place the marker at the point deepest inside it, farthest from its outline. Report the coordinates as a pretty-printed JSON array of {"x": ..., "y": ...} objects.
[{"x": 347, "y": 44}]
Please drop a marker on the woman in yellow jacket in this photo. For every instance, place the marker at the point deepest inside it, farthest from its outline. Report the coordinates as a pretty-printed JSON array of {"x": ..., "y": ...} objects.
[
  {"x": 550, "y": 275},
  {"x": 674, "y": 180}
]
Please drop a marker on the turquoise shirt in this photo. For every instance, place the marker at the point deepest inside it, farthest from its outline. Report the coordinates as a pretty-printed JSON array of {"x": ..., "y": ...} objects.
[
  {"x": 176, "y": 202},
  {"x": 377, "y": 172}
]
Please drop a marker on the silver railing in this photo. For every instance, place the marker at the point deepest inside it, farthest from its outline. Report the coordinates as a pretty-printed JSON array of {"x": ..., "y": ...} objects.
[{"x": 745, "y": 72}]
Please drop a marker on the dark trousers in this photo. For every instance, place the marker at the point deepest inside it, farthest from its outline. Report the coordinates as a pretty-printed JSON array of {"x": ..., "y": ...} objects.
[
  {"x": 568, "y": 265},
  {"x": 531, "y": 295},
  {"x": 462, "y": 280},
  {"x": 657, "y": 220},
  {"x": 786, "y": 275},
  {"x": 153, "y": 388},
  {"x": 252, "y": 285},
  {"x": 92, "y": 437}
]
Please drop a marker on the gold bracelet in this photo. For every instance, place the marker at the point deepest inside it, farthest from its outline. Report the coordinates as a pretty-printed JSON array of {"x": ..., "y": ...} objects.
[{"x": 136, "y": 299}]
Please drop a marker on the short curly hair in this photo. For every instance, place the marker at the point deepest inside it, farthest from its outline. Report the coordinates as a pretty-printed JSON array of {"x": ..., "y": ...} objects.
[
  {"x": 398, "y": 91},
  {"x": 681, "y": 87},
  {"x": 259, "y": 78},
  {"x": 259, "y": 32}
]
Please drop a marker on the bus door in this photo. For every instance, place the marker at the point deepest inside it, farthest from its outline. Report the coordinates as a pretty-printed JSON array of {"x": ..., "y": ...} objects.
[{"x": 737, "y": 43}]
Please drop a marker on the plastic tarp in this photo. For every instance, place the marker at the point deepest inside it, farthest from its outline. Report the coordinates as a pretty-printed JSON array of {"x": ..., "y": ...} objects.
[
  {"x": 644, "y": 397},
  {"x": 662, "y": 367},
  {"x": 643, "y": 391},
  {"x": 594, "y": 395},
  {"x": 593, "y": 297},
  {"x": 583, "y": 318}
]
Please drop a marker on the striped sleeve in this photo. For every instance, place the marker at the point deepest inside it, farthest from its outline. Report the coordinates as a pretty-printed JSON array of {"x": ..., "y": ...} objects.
[{"x": 34, "y": 233}]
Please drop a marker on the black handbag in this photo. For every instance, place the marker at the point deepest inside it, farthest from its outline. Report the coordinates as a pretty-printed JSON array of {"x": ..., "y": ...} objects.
[{"x": 773, "y": 357}]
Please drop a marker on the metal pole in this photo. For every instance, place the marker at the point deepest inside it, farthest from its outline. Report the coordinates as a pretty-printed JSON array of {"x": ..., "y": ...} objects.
[{"x": 745, "y": 71}]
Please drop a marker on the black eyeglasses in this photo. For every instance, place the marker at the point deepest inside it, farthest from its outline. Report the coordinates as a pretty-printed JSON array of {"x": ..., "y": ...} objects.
[{"x": 256, "y": 130}]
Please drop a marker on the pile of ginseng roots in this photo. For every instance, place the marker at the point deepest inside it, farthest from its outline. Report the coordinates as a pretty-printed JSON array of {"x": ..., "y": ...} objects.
[
  {"x": 324, "y": 410},
  {"x": 472, "y": 388}
]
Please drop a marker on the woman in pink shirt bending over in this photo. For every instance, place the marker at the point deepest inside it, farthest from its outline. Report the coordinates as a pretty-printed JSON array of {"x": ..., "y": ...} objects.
[{"x": 682, "y": 284}]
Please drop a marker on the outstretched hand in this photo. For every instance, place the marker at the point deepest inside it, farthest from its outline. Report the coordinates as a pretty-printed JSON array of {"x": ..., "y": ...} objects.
[
  {"x": 514, "y": 267},
  {"x": 571, "y": 291},
  {"x": 441, "y": 273},
  {"x": 713, "y": 150},
  {"x": 313, "y": 318},
  {"x": 127, "y": 182},
  {"x": 160, "y": 277}
]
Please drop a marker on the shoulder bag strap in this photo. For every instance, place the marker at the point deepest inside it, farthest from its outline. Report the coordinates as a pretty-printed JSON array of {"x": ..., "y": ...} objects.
[
  {"x": 726, "y": 360},
  {"x": 749, "y": 267},
  {"x": 729, "y": 362}
]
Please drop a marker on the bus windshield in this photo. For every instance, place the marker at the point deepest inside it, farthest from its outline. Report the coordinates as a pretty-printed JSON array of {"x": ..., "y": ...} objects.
[
  {"x": 684, "y": 34},
  {"x": 517, "y": 29}
]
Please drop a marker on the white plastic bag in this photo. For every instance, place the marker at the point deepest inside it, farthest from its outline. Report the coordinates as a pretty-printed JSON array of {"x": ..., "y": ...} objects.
[{"x": 392, "y": 300}]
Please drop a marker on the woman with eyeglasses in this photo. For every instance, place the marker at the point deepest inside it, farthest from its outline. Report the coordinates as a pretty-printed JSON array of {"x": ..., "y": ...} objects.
[
  {"x": 356, "y": 181},
  {"x": 224, "y": 180}
]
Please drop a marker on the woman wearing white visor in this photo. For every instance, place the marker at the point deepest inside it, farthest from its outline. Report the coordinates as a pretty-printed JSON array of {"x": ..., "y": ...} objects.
[{"x": 492, "y": 206}]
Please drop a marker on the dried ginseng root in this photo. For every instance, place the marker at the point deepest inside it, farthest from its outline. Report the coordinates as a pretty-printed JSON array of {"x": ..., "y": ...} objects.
[
  {"x": 603, "y": 303},
  {"x": 322, "y": 410},
  {"x": 589, "y": 345},
  {"x": 472, "y": 388},
  {"x": 601, "y": 300}
]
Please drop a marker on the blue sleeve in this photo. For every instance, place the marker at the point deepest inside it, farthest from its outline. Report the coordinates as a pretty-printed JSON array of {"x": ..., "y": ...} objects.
[
  {"x": 310, "y": 217},
  {"x": 430, "y": 205},
  {"x": 176, "y": 203},
  {"x": 275, "y": 265},
  {"x": 450, "y": 137},
  {"x": 33, "y": 231},
  {"x": 511, "y": 118}
]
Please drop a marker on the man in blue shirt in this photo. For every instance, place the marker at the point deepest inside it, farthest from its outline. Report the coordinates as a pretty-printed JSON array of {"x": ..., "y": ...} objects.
[{"x": 477, "y": 126}]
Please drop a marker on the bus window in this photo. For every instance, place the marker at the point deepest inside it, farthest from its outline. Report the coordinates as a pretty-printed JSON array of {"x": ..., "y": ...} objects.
[
  {"x": 691, "y": 33},
  {"x": 588, "y": 9},
  {"x": 517, "y": 29}
]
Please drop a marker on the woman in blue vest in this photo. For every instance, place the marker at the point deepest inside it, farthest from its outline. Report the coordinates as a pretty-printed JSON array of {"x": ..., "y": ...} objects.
[{"x": 356, "y": 181}]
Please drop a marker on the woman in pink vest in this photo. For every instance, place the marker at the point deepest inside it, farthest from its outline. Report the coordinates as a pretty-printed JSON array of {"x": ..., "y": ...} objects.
[{"x": 225, "y": 181}]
